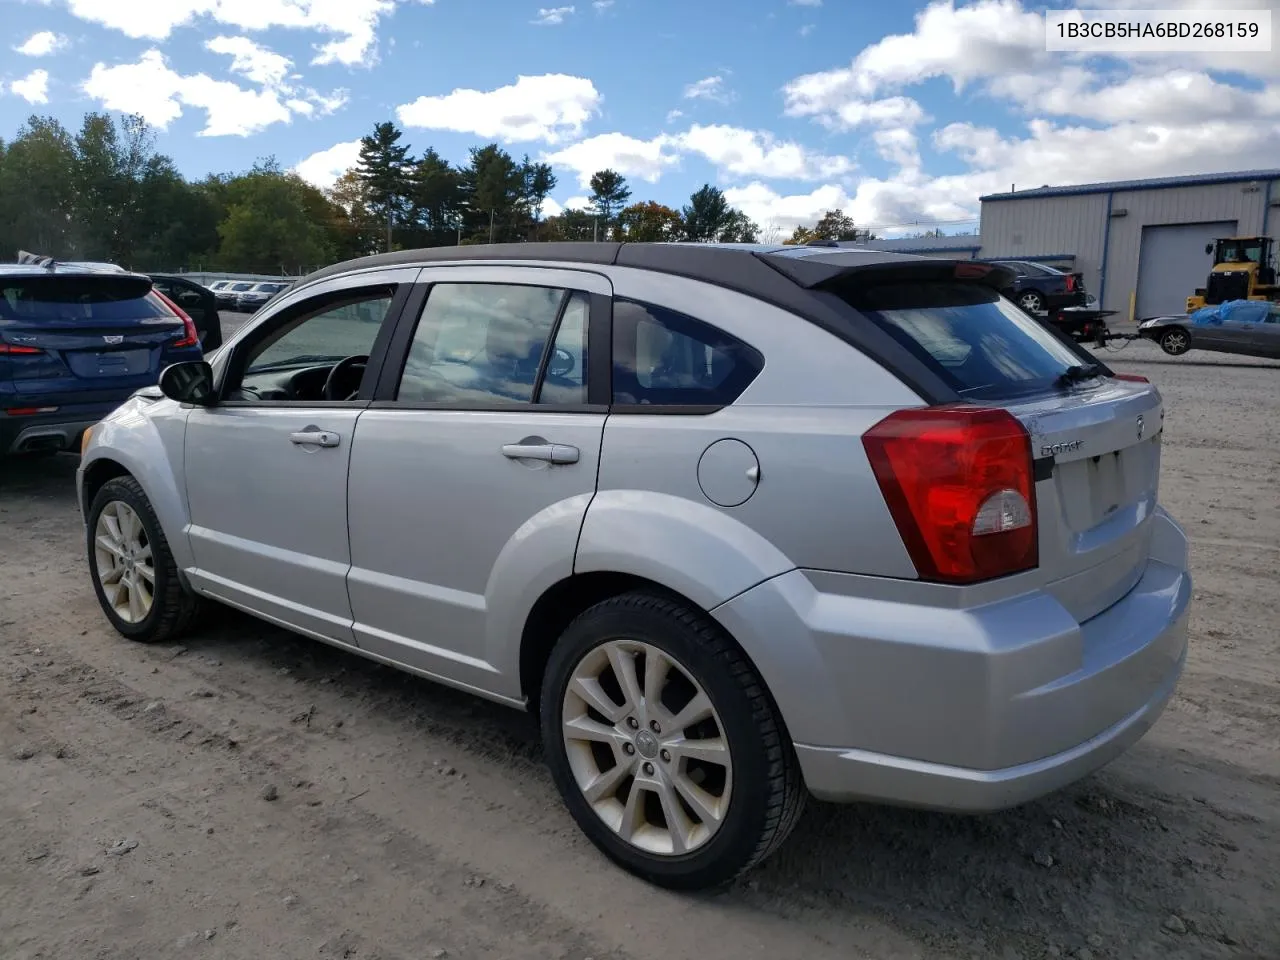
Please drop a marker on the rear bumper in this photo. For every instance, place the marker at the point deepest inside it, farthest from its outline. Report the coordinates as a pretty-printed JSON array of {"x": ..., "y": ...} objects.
[
  {"x": 845, "y": 776},
  {"x": 49, "y": 431},
  {"x": 891, "y": 693}
]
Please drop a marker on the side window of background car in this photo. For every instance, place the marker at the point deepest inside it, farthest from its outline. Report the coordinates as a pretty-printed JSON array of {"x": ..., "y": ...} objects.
[
  {"x": 661, "y": 357},
  {"x": 313, "y": 336},
  {"x": 481, "y": 344}
]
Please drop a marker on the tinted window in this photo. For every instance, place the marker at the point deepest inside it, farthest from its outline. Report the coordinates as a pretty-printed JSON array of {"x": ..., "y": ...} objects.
[
  {"x": 664, "y": 357},
  {"x": 54, "y": 298},
  {"x": 479, "y": 344},
  {"x": 980, "y": 343},
  {"x": 329, "y": 334},
  {"x": 240, "y": 287}
]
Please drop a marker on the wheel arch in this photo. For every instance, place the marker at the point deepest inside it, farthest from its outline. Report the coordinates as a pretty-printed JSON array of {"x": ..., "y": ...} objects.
[{"x": 564, "y": 602}]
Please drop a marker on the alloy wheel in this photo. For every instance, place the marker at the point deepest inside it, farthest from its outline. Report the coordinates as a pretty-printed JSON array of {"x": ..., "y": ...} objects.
[
  {"x": 1175, "y": 342},
  {"x": 1031, "y": 302},
  {"x": 122, "y": 557},
  {"x": 647, "y": 748}
]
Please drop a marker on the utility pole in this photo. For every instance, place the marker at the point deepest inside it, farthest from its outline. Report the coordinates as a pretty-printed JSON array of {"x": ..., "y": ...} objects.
[
  {"x": 390, "y": 218},
  {"x": 491, "y": 226}
]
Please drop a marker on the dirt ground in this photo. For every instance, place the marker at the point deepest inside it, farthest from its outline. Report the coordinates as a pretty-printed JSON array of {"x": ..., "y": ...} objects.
[{"x": 409, "y": 821}]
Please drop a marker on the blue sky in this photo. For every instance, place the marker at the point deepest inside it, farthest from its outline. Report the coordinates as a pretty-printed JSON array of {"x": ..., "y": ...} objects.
[{"x": 901, "y": 113}]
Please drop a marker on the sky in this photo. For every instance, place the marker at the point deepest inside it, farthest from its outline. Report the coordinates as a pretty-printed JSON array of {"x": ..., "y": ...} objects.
[{"x": 901, "y": 114}]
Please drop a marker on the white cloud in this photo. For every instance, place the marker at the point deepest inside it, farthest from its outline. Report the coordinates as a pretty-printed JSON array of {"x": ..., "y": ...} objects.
[
  {"x": 252, "y": 60},
  {"x": 645, "y": 159},
  {"x": 42, "y": 44},
  {"x": 552, "y": 107},
  {"x": 33, "y": 88},
  {"x": 770, "y": 209},
  {"x": 551, "y": 209},
  {"x": 898, "y": 146},
  {"x": 324, "y": 167},
  {"x": 602, "y": 5},
  {"x": 157, "y": 92},
  {"x": 750, "y": 153},
  {"x": 577, "y": 203},
  {"x": 552, "y": 16},
  {"x": 352, "y": 24},
  {"x": 674, "y": 115},
  {"x": 805, "y": 3},
  {"x": 709, "y": 88}
]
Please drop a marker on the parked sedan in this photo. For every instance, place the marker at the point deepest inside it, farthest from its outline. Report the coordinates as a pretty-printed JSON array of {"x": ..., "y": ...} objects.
[
  {"x": 254, "y": 299},
  {"x": 229, "y": 296},
  {"x": 1177, "y": 334},
  {"x": 737, "y": 524},
  {"x": 1040, "y": 289}
]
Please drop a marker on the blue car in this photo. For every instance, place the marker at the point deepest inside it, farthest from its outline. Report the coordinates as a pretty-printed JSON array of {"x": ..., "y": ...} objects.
[{"x": 75, "y": 341}]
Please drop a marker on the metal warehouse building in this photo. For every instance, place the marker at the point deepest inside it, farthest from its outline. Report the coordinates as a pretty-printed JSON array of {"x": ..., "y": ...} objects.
[{"x": 1139, "y": 243}]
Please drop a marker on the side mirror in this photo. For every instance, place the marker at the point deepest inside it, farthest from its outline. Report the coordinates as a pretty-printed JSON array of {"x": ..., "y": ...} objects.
[
  {"x": 188, "y": 382},
  {"x": 562, "y": 363},
  {"x": 1208, "y": 248}
]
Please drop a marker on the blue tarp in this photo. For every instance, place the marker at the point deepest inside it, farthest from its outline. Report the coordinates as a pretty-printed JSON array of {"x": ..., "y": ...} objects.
[{"x": 1245, "y": 311}]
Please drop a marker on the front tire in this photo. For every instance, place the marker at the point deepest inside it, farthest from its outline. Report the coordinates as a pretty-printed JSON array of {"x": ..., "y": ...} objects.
[
  {"x": 665, "y": 744},
  {"x": 1175, "y": 342},
  {"x": 134, "y": 574}
]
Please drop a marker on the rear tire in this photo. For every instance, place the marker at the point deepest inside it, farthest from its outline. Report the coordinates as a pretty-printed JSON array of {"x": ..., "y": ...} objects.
[
  {"x": 734, "y": 771},
  {"x": 1031, "y": 301},
  {"x": 1175, "y": 342},
  {"x": 134, "y": 574}
]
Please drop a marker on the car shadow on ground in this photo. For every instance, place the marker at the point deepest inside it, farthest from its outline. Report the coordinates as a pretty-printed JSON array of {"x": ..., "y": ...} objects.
[{"x": 1086, "y": 861}]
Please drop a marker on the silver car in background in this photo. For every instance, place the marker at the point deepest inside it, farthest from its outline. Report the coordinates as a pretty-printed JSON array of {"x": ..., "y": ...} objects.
[
  {"x": 739, "y": 524},
  {"x": 1177, "y": 334}
]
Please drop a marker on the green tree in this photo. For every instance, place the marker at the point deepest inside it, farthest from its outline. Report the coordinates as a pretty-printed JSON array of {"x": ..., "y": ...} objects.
[
  {"x": 276, "y": 222},
  {"x": 539, "y": 181},
  {"x": 837, "y": 225},
  {"x": 437, "y": 196},
  {"x": 383, "y": 167},
  {"x": 574, "y": 225},
  {"x": 609, "y": 192},
  {"x": 359, "y": 231},
  {"x": 706, "y": 214},
  {"x": 648, "y": 222},
  {"x": 494, "y": 190},
  {"x": 38, "y": 191}
]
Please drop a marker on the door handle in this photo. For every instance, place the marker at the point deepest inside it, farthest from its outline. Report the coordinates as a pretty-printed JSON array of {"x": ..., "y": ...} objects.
[
  {"x": 549, "y": 452},
  {"x": 314, "y": 438}
]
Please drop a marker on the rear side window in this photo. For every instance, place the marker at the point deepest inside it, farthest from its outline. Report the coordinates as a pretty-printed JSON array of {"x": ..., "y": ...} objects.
[
  {"x": 55, "y": 298},
  {"x": 661, "y": 357},
  {"x": 982, "y": 345}
]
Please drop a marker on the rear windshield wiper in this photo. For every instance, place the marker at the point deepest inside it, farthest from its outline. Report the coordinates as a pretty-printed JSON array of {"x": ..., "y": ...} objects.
[{"x": 1077, "y": 373}]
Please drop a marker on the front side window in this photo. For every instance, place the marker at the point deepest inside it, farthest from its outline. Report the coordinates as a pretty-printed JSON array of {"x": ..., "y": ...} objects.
[
  {"x": 303, "y": 343},
  {"x": 661, "y": 357},
  {"x": 481, "y": 344}
]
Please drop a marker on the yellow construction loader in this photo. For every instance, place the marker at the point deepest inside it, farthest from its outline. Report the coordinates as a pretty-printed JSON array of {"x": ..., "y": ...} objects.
[{"x": 1242, "y": 270}]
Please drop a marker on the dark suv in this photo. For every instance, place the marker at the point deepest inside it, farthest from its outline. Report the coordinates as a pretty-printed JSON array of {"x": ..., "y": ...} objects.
[{"x": 75, "y": 342}]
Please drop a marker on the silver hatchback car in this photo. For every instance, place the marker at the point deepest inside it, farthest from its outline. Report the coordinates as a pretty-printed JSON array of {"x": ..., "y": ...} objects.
[{"x": 738, "y": 523}]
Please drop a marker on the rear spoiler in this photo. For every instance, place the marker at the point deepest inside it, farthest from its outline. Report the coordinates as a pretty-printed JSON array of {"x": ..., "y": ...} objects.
[{"x": 820, "y": 270}]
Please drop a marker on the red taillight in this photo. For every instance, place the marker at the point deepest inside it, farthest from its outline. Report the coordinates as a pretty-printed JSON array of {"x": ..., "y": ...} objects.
[
  {"x": 1133, "y": 377},
  {"x": 1071, "y": 283},
  {"x": 7, "y": 349},
  {"x": 191, "y": 338},
  {"x": 960, "y": 486},
  {"x": 28, "y": 411}
]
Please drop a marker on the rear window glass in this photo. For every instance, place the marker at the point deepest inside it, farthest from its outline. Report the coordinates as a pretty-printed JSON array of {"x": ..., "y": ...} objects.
[
  {"x": 982, "y": 345},
  {"x": 37, "y": 299}
]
